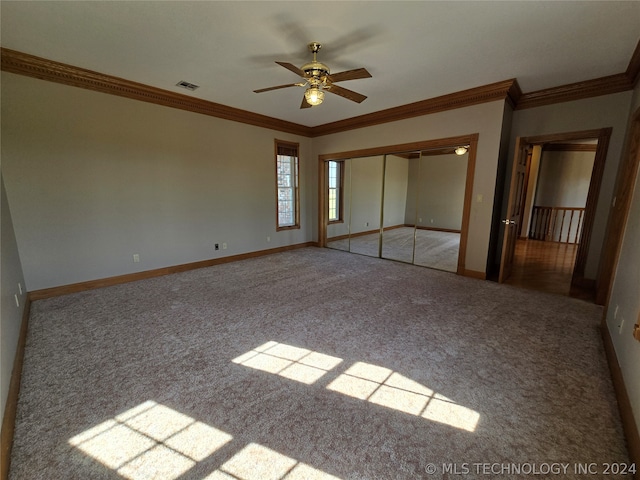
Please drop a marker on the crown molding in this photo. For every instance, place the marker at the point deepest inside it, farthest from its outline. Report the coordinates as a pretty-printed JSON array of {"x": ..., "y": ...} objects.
[
  {"x": 514, "y": 94},
  {"x": 50, "y": 70},
  {"x": 507, "y": 90},
  {"x": 486, "y": 93},
  {"x": 37, "y": 67},
  {"x": 633, "y": 69},
  {"x": 576, "y": 91},
  {"x": 620, "y": 82}
]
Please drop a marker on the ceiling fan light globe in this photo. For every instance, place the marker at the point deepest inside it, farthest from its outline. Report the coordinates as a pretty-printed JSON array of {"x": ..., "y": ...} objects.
[{"x": 314, "y": 96}]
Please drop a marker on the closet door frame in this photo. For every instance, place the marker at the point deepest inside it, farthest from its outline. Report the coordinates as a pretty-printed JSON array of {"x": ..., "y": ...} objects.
[{"x": 323, "y": 197}]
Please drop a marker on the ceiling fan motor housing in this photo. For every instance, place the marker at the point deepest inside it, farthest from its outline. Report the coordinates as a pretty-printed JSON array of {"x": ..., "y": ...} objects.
[{"x": 315, "y": 69}]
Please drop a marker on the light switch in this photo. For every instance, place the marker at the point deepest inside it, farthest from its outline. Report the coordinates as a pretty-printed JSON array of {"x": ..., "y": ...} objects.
[{"x": 479, "y": 198}]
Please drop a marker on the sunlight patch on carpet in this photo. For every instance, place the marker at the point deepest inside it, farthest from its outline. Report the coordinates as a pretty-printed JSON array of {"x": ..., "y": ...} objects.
[
  {"x": 256, "y": 462},
  {"x": 290, "y": 362},
  {"x": 154, "y": 442},
  {"x": 390, "y": 389},
  {"x": 364, "y": 381},
  {"x": 444, "y": 410},
  {"x": 150, "y": 441}
]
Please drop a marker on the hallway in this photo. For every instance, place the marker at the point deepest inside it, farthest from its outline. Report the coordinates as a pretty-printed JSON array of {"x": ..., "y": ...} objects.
[{"x": 547, "y": 267}]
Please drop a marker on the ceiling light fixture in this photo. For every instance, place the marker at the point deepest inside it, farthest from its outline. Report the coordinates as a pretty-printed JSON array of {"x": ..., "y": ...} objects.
[
  {"x": 314, "y": 96},
  {"x": 461, "y": 150}
]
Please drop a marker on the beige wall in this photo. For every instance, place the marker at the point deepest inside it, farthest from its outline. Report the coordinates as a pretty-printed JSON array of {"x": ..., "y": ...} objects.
[
  {"x": 11, "y": 276},
  {"x": 438, "y": 183},
  {"x": 485, "y": 119},
  {"x": 93, "y": 179},
  {"x": 564, "y": 179},
  {"x": 625, "y": 296}
]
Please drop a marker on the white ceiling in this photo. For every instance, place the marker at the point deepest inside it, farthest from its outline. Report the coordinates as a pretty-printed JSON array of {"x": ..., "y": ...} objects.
[{"x": 414, "y": 50}]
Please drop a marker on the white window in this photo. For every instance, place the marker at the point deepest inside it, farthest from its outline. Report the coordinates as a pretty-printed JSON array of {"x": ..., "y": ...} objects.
[{"x": 287, "y": 185}]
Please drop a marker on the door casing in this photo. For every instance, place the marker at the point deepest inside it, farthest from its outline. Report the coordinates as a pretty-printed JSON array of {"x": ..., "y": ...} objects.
[{"x": 602, "y": 135}]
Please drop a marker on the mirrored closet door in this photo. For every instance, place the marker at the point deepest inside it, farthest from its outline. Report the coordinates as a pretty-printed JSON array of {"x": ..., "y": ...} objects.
[
  {"x": 406, "y": 206},
  {"x": 366, "y": 200},
  {"x": 398, "y": 236},
  {"x": 440, "y": 185}
]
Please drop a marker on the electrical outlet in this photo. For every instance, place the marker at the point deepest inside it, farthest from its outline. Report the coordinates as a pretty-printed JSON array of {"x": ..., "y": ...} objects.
[
  {"x": 224, "y": 246},
  {"x": 20, "y": 288},
  {"x": 136, "y": 258},
  {"x": 268, "y": 238},
  {"x": 17, "y": 301},
  {"x": 615, "y": 312},
  {"x": 217, "y": 246},
  {"x": 621, "y": 325}
]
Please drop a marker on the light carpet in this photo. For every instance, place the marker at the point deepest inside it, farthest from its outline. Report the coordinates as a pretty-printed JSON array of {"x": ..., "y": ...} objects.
[{"x": 312, "y": 364}]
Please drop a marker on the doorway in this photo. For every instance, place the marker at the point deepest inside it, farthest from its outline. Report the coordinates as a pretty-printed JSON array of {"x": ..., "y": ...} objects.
[{"x": 545, "y": 246}]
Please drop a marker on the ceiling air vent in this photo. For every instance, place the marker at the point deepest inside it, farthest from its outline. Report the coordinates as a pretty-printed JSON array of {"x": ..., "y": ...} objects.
[{"x": 187, "y": 85}]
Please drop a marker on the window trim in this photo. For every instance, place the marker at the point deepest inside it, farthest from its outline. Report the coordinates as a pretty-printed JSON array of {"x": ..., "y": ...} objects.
[
  {"x": 296, "y": 196},
  {"x": 340, "y": 218}
]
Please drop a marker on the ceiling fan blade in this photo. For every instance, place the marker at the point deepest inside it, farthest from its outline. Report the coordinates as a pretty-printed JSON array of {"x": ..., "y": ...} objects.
[
  {"x": 276, "y": 88},
  {"x": 291, "y": 67},
  {"x": 304, "y": 103},
  {"x": 346, "y": 93},
  {"x": 350, "y": 75}
]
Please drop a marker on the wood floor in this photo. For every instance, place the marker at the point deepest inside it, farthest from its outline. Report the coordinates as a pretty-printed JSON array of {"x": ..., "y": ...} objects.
[{"x": 547, "y": 267}]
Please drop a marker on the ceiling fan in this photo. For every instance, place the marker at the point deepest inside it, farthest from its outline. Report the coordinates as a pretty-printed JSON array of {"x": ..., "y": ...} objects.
[{"x": 317, "y": 78}]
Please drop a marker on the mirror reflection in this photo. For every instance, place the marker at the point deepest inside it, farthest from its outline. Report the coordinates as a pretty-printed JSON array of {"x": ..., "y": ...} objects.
[
  {"x": 339, "y": 198},
  {"x": 440, "y": 183},
  {"x": 366, "y": 199},
  {"x": 405, "y": 206},
  {"x": 398, "y": 236}
]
